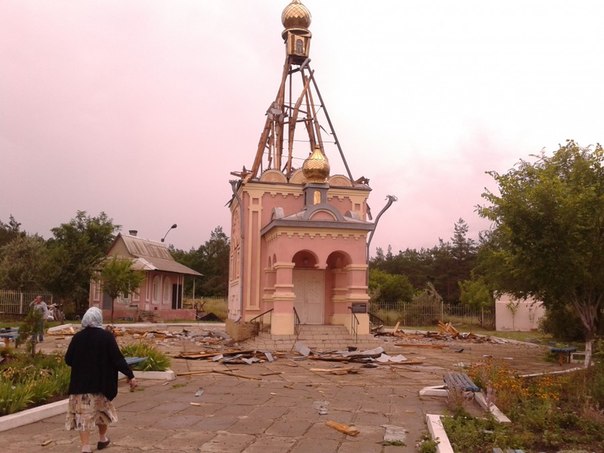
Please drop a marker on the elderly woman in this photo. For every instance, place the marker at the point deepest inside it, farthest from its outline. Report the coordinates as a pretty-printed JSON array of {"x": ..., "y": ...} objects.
[{"x": 95, "y": 359}]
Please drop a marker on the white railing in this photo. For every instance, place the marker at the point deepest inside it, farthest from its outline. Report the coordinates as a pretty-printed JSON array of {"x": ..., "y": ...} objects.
[{"x": 425, "y": 314}]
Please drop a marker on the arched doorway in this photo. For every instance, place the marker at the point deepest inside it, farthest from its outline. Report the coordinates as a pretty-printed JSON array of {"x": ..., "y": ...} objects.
[{"x": 309, "y": 288}]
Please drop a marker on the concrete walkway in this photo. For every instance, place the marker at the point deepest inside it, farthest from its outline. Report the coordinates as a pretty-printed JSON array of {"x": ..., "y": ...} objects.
[{"x": 273, "y": 407}]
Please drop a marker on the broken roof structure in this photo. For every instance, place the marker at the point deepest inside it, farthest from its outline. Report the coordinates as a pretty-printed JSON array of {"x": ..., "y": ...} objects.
[{"x": 300, "y": 222}]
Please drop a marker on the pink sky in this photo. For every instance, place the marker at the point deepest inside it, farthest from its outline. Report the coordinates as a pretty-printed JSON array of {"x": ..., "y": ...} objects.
[{"x": 142, "y": 108}]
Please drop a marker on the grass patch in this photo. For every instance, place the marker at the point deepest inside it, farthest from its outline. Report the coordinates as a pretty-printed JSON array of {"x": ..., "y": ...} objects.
[
  {"x": 215, "y": 305},
  {"x": 27, "y": 381},
  {"x": 548, "y": 413},
  {"x": 155, "y": 359},
  {"x": 427, "y": 444}
]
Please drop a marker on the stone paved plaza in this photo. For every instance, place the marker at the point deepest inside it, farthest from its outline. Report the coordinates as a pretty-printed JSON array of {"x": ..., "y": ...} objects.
[{"x": 273, "y": 408}]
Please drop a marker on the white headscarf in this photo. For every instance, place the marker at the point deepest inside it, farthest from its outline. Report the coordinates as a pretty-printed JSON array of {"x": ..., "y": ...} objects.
[{"x": 93, "y": 318}]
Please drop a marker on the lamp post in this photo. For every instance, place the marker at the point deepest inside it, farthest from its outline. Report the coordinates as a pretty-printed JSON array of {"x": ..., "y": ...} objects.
[
  {"x": 391, "y": 199},
  {"x": 169, "y": 229}
]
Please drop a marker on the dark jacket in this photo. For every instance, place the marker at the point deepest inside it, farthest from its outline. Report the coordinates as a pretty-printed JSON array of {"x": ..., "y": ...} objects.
[{"x": 95, "y": 359}]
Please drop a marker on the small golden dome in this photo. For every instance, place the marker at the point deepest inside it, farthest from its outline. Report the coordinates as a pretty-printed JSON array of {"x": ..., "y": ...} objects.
[
  {"x": 316, "y": 167},
  {"x": 296, "y": 16}
]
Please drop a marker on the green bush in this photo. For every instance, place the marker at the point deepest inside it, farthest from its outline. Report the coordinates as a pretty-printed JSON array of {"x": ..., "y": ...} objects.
[
  {"x": 27, "y": 381},
  {"x": 563, "y": 323},
  {"x": 155, "y": 360},
  {"x": 548, "y": 413}
]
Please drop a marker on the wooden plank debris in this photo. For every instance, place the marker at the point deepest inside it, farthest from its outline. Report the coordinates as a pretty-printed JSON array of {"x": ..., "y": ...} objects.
[
  {"x": 420, "y": 345},
  {"x": 398, "y": 323},
  {"x": 337, "y": 371},
  {"x": 343, "y": 428},
  {"x": 447, "y": 328},
  {"x": 243, "y": 376}
]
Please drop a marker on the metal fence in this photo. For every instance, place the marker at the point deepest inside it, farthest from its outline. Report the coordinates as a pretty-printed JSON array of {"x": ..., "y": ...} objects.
[
  {"x": 17, "y": 303},
  {"x": 427, "y": 314}
]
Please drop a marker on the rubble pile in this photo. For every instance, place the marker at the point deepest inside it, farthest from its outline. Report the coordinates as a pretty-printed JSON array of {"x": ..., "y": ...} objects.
[{"x": 445, "y": 332}]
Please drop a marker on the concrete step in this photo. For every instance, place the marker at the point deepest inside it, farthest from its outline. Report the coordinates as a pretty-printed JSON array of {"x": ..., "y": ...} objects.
[{"x": 319, "y": 338}]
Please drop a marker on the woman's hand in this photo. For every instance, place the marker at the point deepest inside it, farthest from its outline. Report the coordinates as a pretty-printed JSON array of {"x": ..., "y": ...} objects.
[{"x": 133, "y": 384}]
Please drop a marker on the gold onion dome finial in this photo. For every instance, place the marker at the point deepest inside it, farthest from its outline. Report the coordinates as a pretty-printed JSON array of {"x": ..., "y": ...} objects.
[
  {"x": 296, "y": 16},
  {"x": 316, "y": 167}
]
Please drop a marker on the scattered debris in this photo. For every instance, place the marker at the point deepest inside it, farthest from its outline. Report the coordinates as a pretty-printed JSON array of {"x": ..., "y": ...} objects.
[
  {"x": 62, "y": 330},
  {"x": 272, "y": 373},
  {"x": 385, "y": 358},
  {"x": 346, "y": 429},
  {"x": 321, "y": 407},
  {"x": 447, "y": 328},
  {"x": 420, "y": 345},
  {"x": 243, "y": 376},
  {"x": 394, "y": 435},
  {"x": 302, "y": 348},
  {"x": 337, "y": 371}
]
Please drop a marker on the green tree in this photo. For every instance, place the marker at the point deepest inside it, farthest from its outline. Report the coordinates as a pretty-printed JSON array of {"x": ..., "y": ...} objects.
[
  {"x": 9, "y": 231},
  {"x": 74, "y": 253},
  {"x": 119, "y": 279},
  {"x": 22, "y": 263},
  {"x": 211, "y": 260},
  {"x": 549, "y": 239},
  {"x": 476, "y": 294},
  {"x": 443, "y": 265},
  {"x": 389, "y": 288}
]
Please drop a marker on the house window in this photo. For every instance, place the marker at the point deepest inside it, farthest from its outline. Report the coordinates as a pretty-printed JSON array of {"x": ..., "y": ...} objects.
[
  {"x": 96, "y": 294},
  {"x": 156, "y": 289},
  {"x": 167, "y": 291},
  {"x": 136, "y": 295},
  {"x": 149, "y": 291}
]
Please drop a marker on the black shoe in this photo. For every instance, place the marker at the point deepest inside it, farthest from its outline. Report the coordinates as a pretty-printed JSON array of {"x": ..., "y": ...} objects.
[{"x": 100, "y": 445}]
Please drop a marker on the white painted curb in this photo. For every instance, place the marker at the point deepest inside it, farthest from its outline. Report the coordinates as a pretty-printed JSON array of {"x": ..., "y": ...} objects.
[
  {"x": 36, "y": 414},
  {"x": 438, "y": 433},
  {"x": 32, "y": 415}
]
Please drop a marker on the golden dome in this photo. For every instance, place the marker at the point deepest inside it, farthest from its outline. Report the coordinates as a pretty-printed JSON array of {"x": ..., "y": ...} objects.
[
  {"x": 296, "y": 16},
  {"x": 316, "y": 167}
]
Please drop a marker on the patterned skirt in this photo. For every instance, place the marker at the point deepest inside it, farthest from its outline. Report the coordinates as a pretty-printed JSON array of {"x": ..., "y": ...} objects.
[{"x": 87, "y": 410}]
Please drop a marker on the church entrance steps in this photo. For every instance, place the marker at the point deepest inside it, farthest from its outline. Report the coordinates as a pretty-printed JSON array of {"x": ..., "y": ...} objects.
[{"x": 318, "y": 338}]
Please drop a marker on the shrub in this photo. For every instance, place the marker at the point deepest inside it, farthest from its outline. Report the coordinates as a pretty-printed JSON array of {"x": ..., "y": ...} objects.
[
  {"x": 155, "y": 359},
  {"x": 548, "y": 413},
  {"x": 27, "y": 381}
]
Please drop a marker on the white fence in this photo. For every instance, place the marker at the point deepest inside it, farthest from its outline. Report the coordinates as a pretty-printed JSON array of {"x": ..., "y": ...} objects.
[
  {"x": 426, "y": 314},
  {"x": 18, "y": 303}
]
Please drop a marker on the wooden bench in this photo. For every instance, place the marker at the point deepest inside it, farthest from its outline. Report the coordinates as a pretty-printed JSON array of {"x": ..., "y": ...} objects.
[
  {"x": 8, "y": 334},
  {"x": 563, "y": 353},
  {"x": 460, "y": 381}
]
